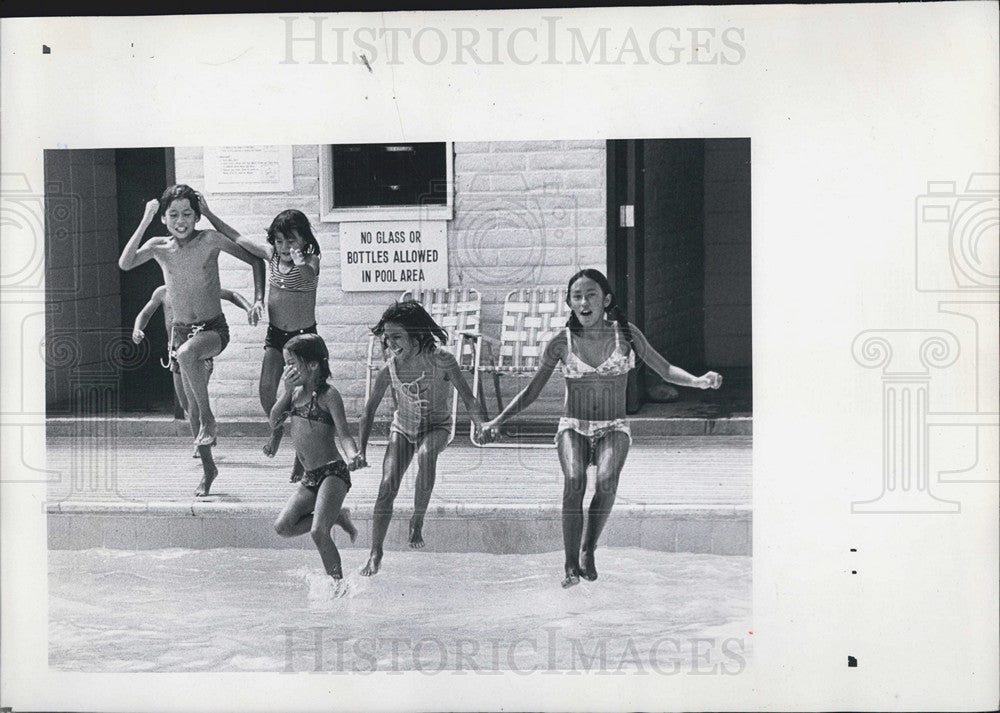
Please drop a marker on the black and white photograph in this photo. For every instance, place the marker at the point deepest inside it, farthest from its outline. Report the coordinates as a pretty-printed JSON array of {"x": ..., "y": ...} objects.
[
  {"x": 540, "y": 359},
  {"x": 601, "y": 287}
]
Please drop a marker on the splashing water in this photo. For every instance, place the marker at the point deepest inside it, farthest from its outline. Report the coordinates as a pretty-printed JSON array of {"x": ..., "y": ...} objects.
[{"x": 276, "y": 610}]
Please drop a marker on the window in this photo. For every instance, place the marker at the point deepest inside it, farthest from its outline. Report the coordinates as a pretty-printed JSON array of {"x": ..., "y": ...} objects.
[{"x": 386, "y": 181}]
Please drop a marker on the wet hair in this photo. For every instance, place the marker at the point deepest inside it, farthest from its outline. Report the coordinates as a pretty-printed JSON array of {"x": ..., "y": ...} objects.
[
  {"x": 412, "y": 317},
  {"x": 312, "y": 348},
  {"x": 288, "y": 221},
  {"x": 613, "y": 311},
  {"x": 179, "y": 193}
]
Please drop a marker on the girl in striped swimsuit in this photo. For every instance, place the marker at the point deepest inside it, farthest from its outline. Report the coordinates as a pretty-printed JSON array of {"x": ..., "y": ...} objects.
[
  {"x": 292, "y": 256},
  {"x": 594, "y": 429}
]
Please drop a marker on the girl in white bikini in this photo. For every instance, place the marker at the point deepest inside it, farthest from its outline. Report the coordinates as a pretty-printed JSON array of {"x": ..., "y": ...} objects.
[{"x": 593, "y": 428}]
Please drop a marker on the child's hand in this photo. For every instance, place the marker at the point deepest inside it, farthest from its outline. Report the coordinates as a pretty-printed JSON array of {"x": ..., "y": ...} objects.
[
  {"x": 255, "y": 313},
  {"x": 297, "y": 257},
  {"x": 152, "y": 208},
  {"x": 489, "y": 431},
  {"x": 358, "y": 461},
  {"x": 138, "y": 335},
  {"x": 711, "y": 380},
  {"x": 202, "y": 204},
  {"x": 290, "y": 376}
]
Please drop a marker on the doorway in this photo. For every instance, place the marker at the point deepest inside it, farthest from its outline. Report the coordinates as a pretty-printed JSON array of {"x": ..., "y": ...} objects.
[
  {"x": 679, "y": 260},
  {"x": 143, "y": 174}
]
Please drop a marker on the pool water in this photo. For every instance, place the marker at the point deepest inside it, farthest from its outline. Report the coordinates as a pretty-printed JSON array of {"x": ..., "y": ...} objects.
[{"x": 275, "y": 610}]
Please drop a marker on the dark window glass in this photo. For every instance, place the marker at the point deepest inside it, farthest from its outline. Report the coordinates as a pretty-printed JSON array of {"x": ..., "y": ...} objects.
[{"x": 389, "y": 175}]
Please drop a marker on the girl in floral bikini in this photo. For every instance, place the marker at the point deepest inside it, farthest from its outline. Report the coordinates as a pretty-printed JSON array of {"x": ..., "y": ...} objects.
[
  {"x": 594, "y": 428},
  {"x": 318, "y": 426}
]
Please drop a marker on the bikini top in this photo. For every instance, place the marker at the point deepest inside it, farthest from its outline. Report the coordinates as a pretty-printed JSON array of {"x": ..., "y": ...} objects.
[
  {"x": 618, "y": 363},
  {"x": 312, "y": 412},
  {"x": 294, "y": 280}
]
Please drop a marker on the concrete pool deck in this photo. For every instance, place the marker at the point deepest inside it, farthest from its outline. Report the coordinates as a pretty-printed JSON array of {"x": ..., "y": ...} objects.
[{"x": 113, "y": 485}]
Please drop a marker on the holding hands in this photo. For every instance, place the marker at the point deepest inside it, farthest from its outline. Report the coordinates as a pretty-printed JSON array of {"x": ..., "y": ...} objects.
[
  {"x": 487, "y": 432},
  {"x": 255, "y": 312}
]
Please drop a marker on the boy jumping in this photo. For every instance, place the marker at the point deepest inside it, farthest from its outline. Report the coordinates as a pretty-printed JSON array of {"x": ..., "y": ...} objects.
[{"x": 189, "y": 259}]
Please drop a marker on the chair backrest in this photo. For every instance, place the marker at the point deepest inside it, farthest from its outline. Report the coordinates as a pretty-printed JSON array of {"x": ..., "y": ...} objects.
[
  {"x": 457, "y": 310},
  {"x": 531, "y": 317}
]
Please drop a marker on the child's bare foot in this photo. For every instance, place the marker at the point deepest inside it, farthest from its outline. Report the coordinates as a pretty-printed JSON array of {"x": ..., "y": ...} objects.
[
  {"x": 589, "y": 569},
  {"x": 416, "y": 534},
  {"x": 344, "y": 520},
  {"x": 207, "y": 434},
  {"x": 271, "y": 447},
  {"x": 374, "y": 562},
  {"x": 211, "y": 472},
  {"x": 572, "y": 576}
]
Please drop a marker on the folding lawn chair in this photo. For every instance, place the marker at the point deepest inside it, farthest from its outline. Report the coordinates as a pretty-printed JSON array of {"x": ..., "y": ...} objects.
[
  {"x": 531, "y": 317},
  {"x": 458, "y": 311}
]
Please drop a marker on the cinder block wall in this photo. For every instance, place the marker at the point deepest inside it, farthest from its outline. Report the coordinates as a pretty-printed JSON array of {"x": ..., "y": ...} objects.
[
  {"x": 526, "y": 214},
  {"x": 81, "y": 270}
]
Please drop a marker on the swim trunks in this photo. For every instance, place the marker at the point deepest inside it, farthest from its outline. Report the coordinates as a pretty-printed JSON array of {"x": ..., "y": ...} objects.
[
  {"x": 278, "y": 338},
  {"x": 180, "y": 333},
  {"x": 312, "y": 479}
]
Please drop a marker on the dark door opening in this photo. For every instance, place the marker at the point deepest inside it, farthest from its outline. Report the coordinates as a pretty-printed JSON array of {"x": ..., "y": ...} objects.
[
  {"x": 143, "y": 174},
  {"x": 679, "y": 258}
]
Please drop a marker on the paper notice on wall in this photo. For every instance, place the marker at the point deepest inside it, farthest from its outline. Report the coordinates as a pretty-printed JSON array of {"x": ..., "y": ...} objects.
[
  {"x": 246, "y": 169},
  {"x": 383, "y": 256}
]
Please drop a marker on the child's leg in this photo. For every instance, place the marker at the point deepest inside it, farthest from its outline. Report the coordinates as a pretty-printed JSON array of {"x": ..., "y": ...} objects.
[
  {"x": 427, "y": 454},
  {"x": 182, "y": 399},
  {"x": 398, "y": 455},
  {"x": 573, "y": 452},
  {"x": 209, "y": 470},
  {"x": 296, "y": 517},
  {"x": 611, "y": 453},
  {"x": 179, "y": 391},
  {"x": 332, "y": 492},
  {"x": 270, "y": 377},
  {"x": 191, "y": 356}
]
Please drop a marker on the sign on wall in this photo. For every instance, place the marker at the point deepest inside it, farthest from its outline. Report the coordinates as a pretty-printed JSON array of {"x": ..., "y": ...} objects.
[
  {"x": 378, "y": 256},
  {"x": 248, "y": 169}
]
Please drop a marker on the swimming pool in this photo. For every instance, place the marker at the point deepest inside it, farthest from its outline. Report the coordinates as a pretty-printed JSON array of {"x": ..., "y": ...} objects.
[{"x": 275, "y": 610}]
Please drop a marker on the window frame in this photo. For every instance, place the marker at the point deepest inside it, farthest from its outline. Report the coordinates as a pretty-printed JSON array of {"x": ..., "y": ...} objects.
[{"x": 328, "y": 214}]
